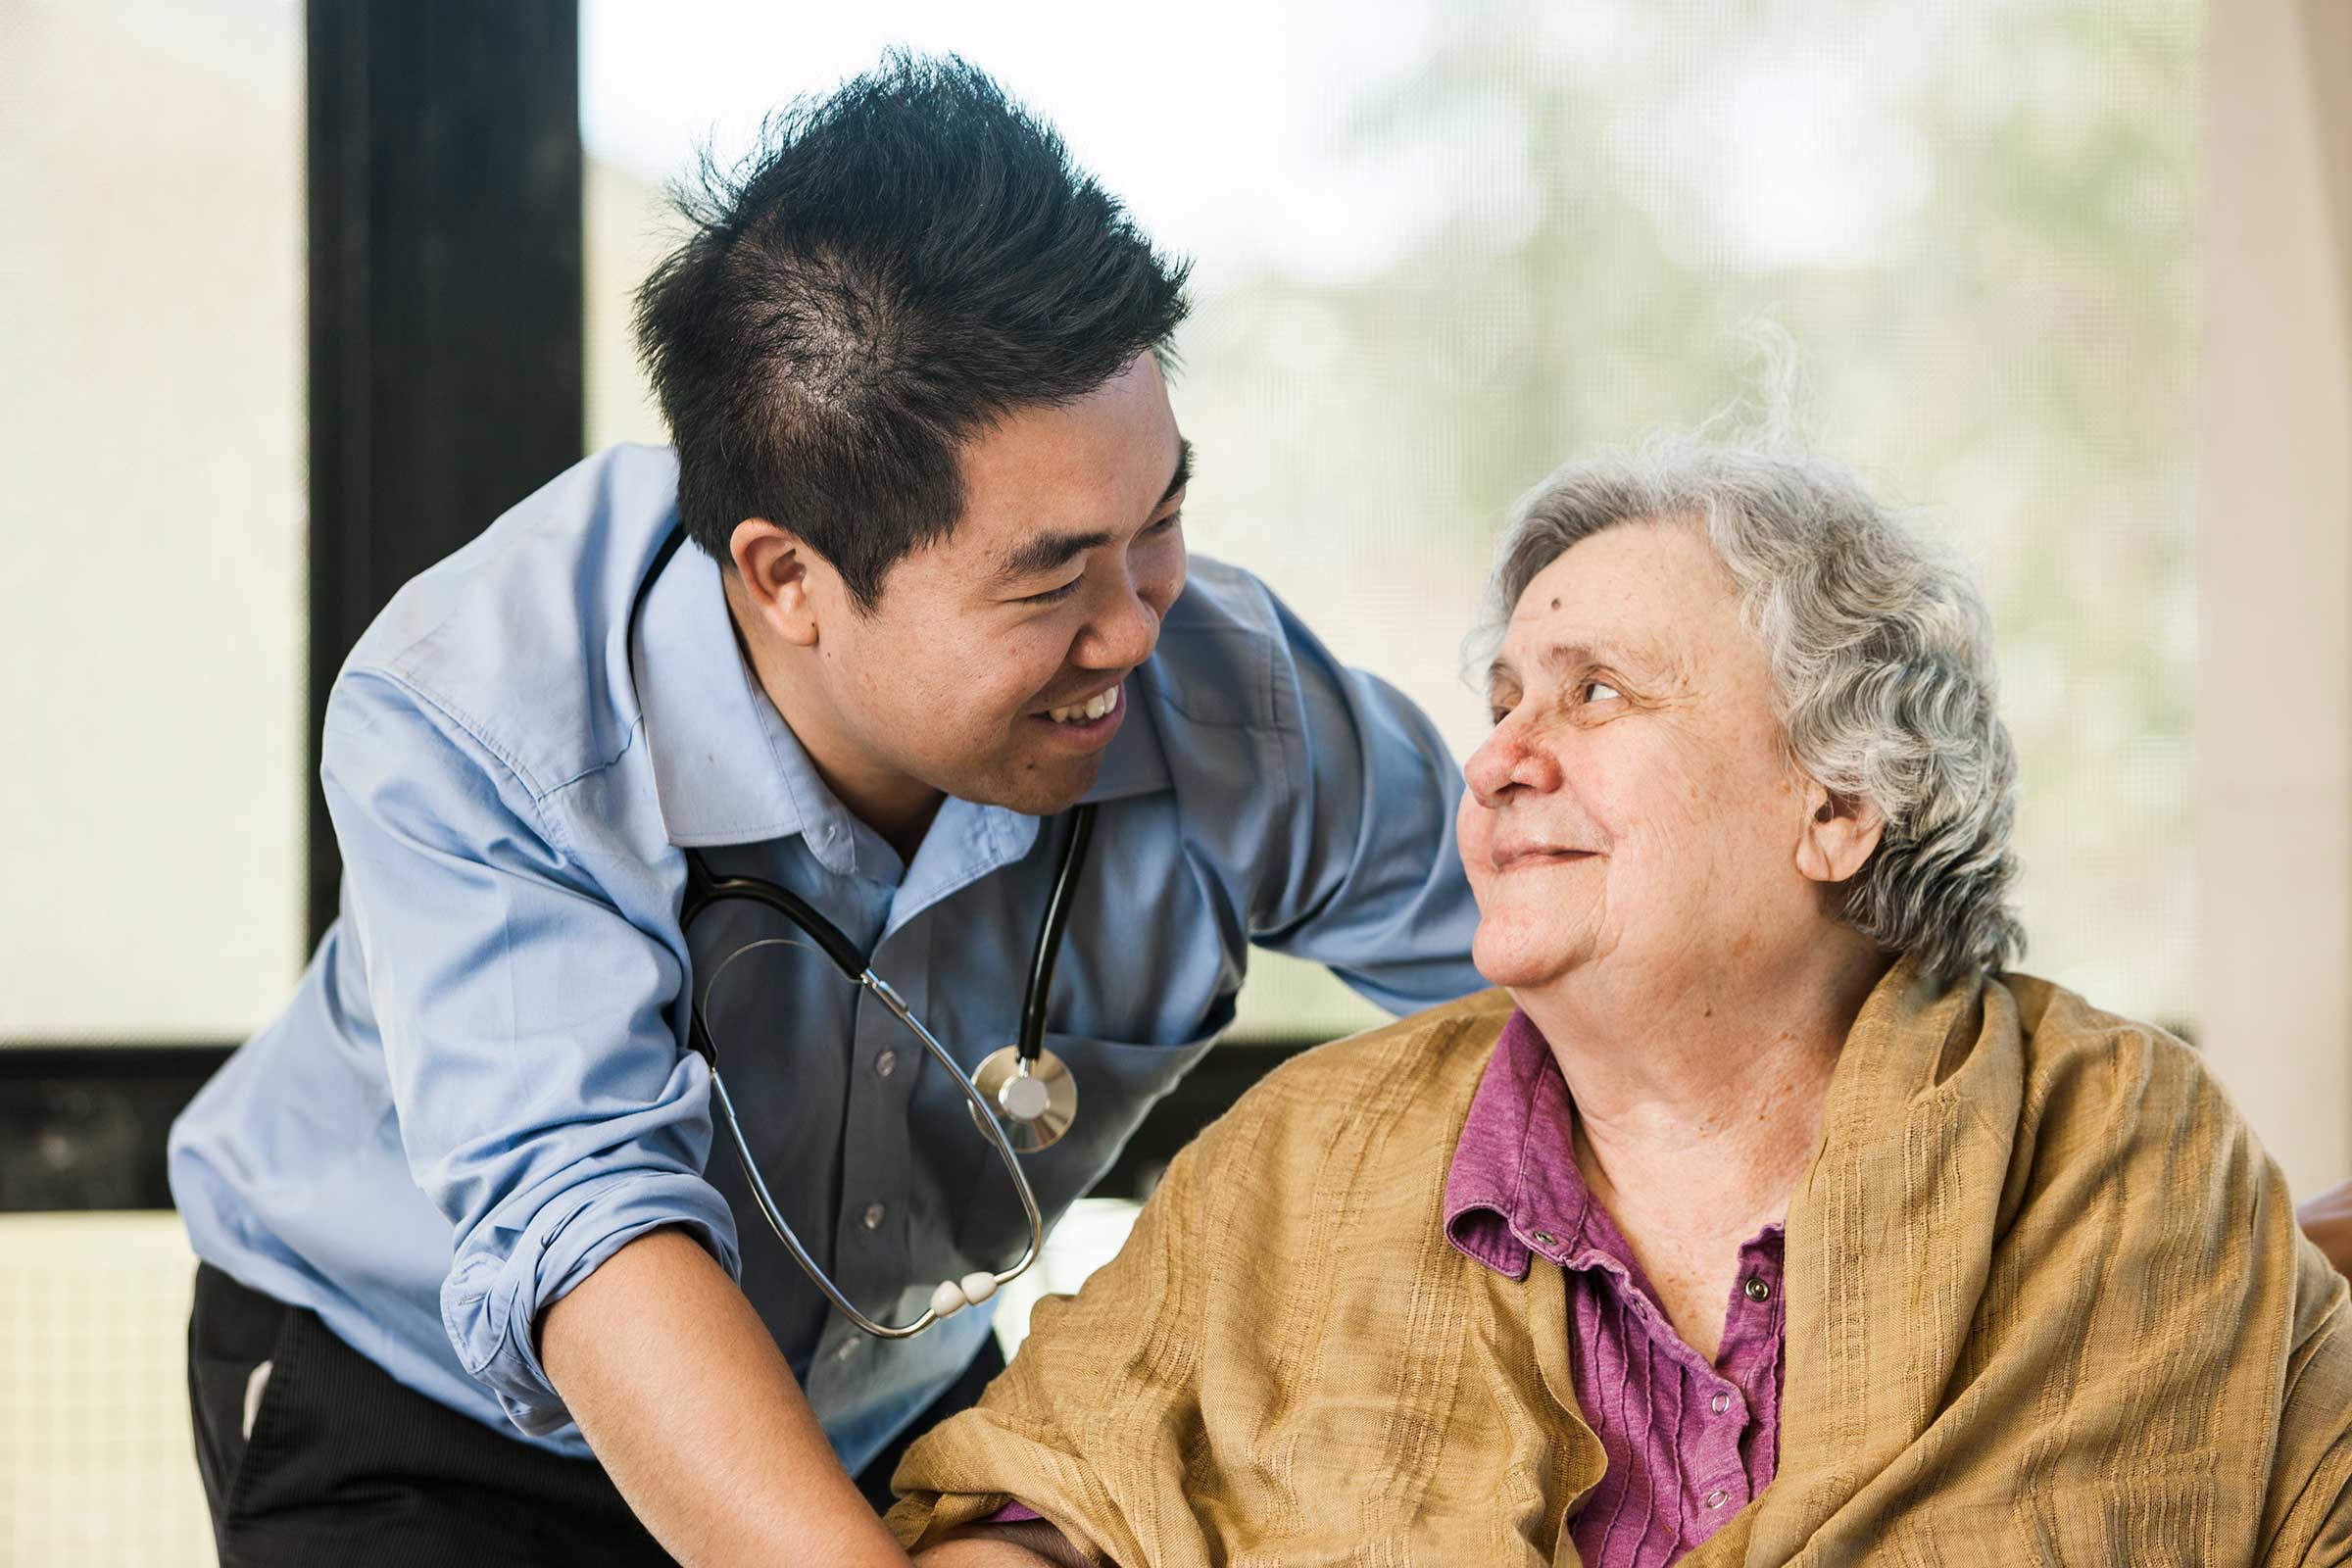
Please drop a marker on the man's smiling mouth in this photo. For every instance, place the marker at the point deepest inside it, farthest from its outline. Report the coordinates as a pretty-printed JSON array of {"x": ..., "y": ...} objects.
[{"x": 1087, "y": 710}]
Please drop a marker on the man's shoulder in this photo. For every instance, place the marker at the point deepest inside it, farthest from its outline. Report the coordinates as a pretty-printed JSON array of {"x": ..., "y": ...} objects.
[{"x": 520, "y": 638}]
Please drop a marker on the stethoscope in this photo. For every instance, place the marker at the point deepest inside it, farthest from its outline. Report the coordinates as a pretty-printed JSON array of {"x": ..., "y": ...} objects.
[{"x": 1022, "y": 1097}]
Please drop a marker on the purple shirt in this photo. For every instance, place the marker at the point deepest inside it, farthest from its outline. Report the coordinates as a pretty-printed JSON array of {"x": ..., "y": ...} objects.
[{"x": 1688, "y": 1444}]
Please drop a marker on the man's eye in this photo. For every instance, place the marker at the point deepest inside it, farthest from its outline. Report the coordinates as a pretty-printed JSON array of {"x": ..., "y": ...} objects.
[
  {"x": 1600, "y": 691},
  {"x": 1053, "y": 595},
  {"x": 1165, "y": 524}
]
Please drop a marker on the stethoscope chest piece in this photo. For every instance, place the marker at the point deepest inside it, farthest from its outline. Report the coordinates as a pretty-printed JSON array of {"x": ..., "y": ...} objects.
[{"x": 1036, "y": 1101}]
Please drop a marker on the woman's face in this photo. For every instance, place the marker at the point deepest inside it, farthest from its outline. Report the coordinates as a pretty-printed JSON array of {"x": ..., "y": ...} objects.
[{"x": 1634, "y": 811}]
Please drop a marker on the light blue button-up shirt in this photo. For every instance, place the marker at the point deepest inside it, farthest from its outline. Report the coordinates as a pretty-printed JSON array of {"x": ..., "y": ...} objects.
[{"x": 481, "y": 1090}]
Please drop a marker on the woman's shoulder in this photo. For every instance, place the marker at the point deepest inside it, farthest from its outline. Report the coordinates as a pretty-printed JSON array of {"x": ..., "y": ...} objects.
[{"x": 2133, "y": 1069}]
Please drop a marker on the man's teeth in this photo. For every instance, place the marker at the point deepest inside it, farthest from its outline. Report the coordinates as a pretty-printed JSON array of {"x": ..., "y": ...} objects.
[{"x": 1092, "y": 708}]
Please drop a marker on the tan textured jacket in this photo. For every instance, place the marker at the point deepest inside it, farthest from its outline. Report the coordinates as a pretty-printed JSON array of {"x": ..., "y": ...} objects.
[{"x": 2046, "y": 1304}]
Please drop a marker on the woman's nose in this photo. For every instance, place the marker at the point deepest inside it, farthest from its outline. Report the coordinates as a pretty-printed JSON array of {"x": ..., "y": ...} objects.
[{"x": 1508, "y": 760}]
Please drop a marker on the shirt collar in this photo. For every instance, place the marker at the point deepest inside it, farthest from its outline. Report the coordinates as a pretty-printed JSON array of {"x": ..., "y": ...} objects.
[
  {"x": 727, "y": 770},
  {"x": 1513, "y": 1189}
]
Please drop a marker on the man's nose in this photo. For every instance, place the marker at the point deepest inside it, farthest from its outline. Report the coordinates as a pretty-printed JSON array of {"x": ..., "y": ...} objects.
[{"x": 1123, "y": 632}]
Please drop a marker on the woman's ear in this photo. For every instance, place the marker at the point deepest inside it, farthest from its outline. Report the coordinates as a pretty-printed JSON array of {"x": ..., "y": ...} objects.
[
  {"x": 782, "y": 581},
  {"x": 1840, "y": 833}
]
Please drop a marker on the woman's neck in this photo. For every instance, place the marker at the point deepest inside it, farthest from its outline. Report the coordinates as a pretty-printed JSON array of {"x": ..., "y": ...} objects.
[{"x": 1699, "y": 1103}]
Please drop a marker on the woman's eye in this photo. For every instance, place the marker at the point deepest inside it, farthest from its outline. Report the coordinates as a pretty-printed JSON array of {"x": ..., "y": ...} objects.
[{"x": 1600, "y": 691}]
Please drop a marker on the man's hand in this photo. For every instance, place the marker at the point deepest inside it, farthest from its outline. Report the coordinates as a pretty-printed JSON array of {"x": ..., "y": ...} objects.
[
  {"x": 688, "y": 1403},
  {"x": 2327, "y": 1220}
]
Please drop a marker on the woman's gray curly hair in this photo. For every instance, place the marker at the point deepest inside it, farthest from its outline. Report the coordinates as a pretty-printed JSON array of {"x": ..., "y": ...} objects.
[{"x": 1881, "y": 661}]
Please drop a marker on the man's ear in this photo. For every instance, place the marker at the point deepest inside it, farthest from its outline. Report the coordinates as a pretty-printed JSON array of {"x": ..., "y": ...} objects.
[
  {"x": 1837, "y": 836},
  {"x": 783, "y": 581}
]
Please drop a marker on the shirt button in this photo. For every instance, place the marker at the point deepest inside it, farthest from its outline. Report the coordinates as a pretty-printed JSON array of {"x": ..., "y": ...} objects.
[
  {"x": 1543, "y": 1239},
  {"x": 887, "y": 1063},
  {"x": 873, "y": 1216},
  {"x": 1716, "y": 1498},
  {"x": 1756, "y": 1289},
  {"x": 1720, "y": 1403}
]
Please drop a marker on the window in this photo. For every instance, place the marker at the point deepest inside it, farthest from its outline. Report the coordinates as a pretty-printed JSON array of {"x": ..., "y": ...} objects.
[
  {"x": 150, "y": 426},
  {"x": 151, "y": 666}
]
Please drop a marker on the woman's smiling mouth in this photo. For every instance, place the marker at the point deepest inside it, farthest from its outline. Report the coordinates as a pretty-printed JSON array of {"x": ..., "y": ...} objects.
[{"x": 1515, "y": 857}]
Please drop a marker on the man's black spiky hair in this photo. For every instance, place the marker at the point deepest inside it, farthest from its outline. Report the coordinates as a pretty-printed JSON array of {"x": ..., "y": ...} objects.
[{"x": 898, "y": 264}]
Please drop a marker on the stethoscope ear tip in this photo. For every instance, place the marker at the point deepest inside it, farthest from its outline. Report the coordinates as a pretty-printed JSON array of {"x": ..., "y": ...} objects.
[{"x": 953, "y": 1296}]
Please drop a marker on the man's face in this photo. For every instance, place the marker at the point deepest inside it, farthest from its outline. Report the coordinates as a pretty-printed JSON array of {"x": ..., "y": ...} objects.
[
  {"x": 1047, "y": 594},
  {"x": 1634, "y": 810}
]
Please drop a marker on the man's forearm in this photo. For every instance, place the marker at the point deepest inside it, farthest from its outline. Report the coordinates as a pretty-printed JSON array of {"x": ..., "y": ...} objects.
[{"x": 690, "y": 1408}]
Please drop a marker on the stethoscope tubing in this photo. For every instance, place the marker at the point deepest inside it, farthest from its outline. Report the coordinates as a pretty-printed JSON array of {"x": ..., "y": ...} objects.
[
  {"x": 987, "y": 1121},
  {"x": 1031, "y": 1038}
]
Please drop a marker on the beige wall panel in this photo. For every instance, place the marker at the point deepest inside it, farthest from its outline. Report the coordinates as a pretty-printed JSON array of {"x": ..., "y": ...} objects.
[{"x": 2274, "y": 699}]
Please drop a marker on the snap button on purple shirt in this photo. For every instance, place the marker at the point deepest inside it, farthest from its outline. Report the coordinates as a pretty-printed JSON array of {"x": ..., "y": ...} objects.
[{"x": 1689, "y": 1443}]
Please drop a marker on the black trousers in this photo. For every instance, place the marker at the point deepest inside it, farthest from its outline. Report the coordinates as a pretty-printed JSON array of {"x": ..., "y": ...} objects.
[{"x": 346, "y": 1467}]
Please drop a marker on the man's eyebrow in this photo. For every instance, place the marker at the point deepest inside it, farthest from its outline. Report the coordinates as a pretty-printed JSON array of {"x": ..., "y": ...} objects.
[
  {"x": 1184, "y": 471},
  {"x": 1042, "y": 552}
]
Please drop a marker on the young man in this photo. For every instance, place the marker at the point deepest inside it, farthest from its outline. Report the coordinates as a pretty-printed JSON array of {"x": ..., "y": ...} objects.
[{"x": 479, "y": 1279}]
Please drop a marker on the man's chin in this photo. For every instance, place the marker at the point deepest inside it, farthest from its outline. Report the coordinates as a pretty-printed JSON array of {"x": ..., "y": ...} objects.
[{"x": 1038, "y": 788}]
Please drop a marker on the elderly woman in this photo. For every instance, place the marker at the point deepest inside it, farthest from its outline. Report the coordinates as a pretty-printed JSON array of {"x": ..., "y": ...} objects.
[{"x": 1762, "y": 1215}]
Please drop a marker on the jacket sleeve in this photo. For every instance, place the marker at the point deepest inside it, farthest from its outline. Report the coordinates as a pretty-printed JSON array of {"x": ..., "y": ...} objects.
[{"x": 543, "y": 1101}]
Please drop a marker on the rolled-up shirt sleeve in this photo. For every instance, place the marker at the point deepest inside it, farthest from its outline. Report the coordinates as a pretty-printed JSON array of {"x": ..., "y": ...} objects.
[{"x": 544, "y": 1103}]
